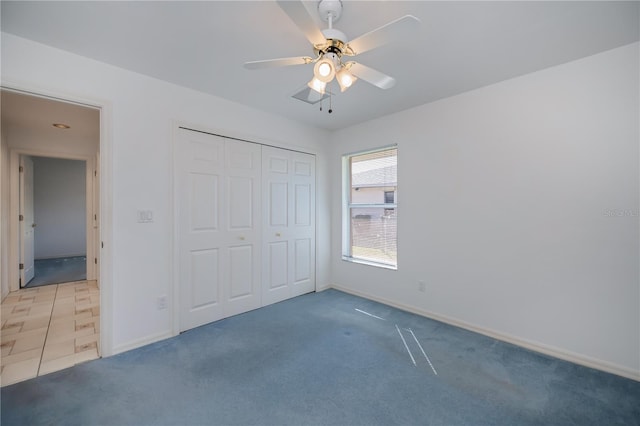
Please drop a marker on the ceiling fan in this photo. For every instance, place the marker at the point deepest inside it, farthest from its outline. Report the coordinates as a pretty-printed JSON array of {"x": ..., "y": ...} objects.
[{"x": 331, "y": 47}]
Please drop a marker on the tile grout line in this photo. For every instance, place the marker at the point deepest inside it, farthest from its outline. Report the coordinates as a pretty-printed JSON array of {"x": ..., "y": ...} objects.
[
  {"x": 55, "y": 298},
  {"x": 59, "y": 300}
]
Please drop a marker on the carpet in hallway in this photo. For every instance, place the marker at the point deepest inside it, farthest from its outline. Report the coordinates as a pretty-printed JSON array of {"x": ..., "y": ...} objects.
[{"x": 59, "y": 270}]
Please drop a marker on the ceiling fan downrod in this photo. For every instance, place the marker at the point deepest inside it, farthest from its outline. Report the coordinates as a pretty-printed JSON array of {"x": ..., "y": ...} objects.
[{"x": 330, "y": 11}]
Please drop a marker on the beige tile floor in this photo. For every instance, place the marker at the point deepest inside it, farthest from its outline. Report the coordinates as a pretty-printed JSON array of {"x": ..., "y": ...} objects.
[{"x": 49, "y": 328}]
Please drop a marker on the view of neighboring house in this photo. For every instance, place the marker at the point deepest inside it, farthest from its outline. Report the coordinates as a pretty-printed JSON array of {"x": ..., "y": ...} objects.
[{"x": 374, "y": 191}]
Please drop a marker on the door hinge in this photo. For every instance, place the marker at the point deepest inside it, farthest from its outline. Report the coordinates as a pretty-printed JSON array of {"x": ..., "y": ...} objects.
[
  {"x": 95, "y": 173},
  {"x": 20, "y": 218},
  {"x": 95, "y": 260},
  {"x": 21, "y": 266},
  {"x": 95, "y": 217},
  {"x": 101, "y": 244},
  {"x": 21, "y": 169}
]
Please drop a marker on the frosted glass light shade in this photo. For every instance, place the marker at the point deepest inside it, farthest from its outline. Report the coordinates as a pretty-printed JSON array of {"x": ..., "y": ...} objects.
[
  {"x": 324, "y": 70},
  {"x": 317, "y": 85},
  {"x": 345, "y": 79}
]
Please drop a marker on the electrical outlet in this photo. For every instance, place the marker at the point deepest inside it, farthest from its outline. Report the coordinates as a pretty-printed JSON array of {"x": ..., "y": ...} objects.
[
  {"x": 422, "y": 287},
  {"x": 162, "y": 302}
]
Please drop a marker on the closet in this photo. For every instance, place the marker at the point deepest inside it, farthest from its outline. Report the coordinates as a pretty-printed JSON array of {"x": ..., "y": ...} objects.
[{"x": 245, "y": 225}]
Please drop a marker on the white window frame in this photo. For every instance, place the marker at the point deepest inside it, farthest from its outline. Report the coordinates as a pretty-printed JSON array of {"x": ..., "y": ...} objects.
[{"x": 347, "y": 206}]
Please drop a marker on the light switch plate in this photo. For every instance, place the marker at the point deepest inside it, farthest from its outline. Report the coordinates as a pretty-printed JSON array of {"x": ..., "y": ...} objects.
[{"x": 145, "y": 216}]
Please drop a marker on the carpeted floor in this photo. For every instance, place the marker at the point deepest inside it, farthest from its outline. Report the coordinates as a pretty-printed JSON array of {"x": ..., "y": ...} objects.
[
  {"x": 325, "y": 359},
  {"x": 59, "y": 270}
]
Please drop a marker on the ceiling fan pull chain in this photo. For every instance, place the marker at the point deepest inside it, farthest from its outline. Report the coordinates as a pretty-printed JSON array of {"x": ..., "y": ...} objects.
[{"x": 330, "y": 108}]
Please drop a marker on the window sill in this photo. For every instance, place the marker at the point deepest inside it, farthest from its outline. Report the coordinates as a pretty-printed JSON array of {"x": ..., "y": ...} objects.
[{"x": 369, "y": 263}]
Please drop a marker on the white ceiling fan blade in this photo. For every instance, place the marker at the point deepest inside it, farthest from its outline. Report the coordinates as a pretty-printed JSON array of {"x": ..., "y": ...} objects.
[
  {"x": 280, "y": 62},
  {"x": 372, "y": 76},
  {"x": 299, "y": 15},
  {"x": 398, "y": 30}
]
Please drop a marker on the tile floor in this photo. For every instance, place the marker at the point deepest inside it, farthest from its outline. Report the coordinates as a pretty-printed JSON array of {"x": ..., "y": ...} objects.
[{"x": 50, "y": 328}]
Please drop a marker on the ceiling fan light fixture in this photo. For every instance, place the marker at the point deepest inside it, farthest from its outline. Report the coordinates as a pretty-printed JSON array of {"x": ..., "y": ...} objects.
[
  {"x": 345, "y": 78},
  {"x": 331, "y": 45},
  {"x": 324, "y": 70},
  {"x": 317, "y": 85}
]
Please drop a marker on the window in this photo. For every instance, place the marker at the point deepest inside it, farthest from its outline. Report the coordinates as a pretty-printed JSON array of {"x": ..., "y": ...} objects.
[{"x": 369, "y": 207}]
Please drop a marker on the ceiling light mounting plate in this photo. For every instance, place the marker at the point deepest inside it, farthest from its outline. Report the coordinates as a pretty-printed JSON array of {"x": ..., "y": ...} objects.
[{"x": 330, "y": 10}]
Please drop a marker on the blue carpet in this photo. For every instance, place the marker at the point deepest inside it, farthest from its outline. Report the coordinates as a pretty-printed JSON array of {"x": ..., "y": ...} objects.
[
  {"x": 59, "y": 270},
  {"x": 316, "y": 360}
]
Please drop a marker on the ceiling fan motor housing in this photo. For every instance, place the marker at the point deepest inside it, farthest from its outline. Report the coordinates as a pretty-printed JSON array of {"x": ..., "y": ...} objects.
[
  {"x": 336, "y": 43},
  {"x": 334, "y": 34}
]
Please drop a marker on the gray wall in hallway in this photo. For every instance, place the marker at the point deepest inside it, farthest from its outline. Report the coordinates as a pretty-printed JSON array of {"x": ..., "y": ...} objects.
[{"x": 59, "y": 207}]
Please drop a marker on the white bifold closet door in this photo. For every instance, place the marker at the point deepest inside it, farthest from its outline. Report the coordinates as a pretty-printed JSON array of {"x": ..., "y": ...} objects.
[
  {"x": 288, "y": 256},
  {"x": 218, "y": 191}
]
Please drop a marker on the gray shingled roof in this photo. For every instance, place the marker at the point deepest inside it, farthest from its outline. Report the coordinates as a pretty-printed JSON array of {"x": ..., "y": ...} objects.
[{"x": 383, "y": 176}]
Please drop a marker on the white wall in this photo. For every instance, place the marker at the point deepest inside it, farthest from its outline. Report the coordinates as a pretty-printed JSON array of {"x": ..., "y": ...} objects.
[
  {"x": 140, "y": 113},
  {"x": 59, "y": 200},
  {"x": 519, "y": 209}
]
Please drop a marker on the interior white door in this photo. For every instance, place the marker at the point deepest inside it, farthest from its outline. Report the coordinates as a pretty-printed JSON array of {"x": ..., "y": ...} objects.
[
  {"x": 241, "y": 248},
  {"x": 218, "y": 195},
  {"x": 289, "y": 224},
  {"x": 200, "y": 164},
  {"x": 94, "y": 273},
  {"x": 27, "y": 223},
  {"x": 304, "y": 226},
  {"x": 276, "y": 239}
]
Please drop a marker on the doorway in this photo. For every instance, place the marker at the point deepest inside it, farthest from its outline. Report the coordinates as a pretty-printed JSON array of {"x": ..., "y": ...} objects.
[
  {"x": 54, "y": 206},
  {"x": 37, "y": 129},
  {"x": 56, "y": 134}
]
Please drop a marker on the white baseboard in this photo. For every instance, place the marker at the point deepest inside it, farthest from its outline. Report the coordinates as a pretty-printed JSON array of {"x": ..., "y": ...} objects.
[
  {"x": 322, "y": 288},
  {"x": 141, "y": 342},
  {"x": 534, "y": 346}
]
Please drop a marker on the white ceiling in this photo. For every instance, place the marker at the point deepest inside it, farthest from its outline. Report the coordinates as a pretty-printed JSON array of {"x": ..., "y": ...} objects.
[{"x": 203, "y": 45}]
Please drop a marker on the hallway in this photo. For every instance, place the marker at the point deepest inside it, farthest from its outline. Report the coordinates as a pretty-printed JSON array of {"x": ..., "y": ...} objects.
[{"x": 49, "y": 328}]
